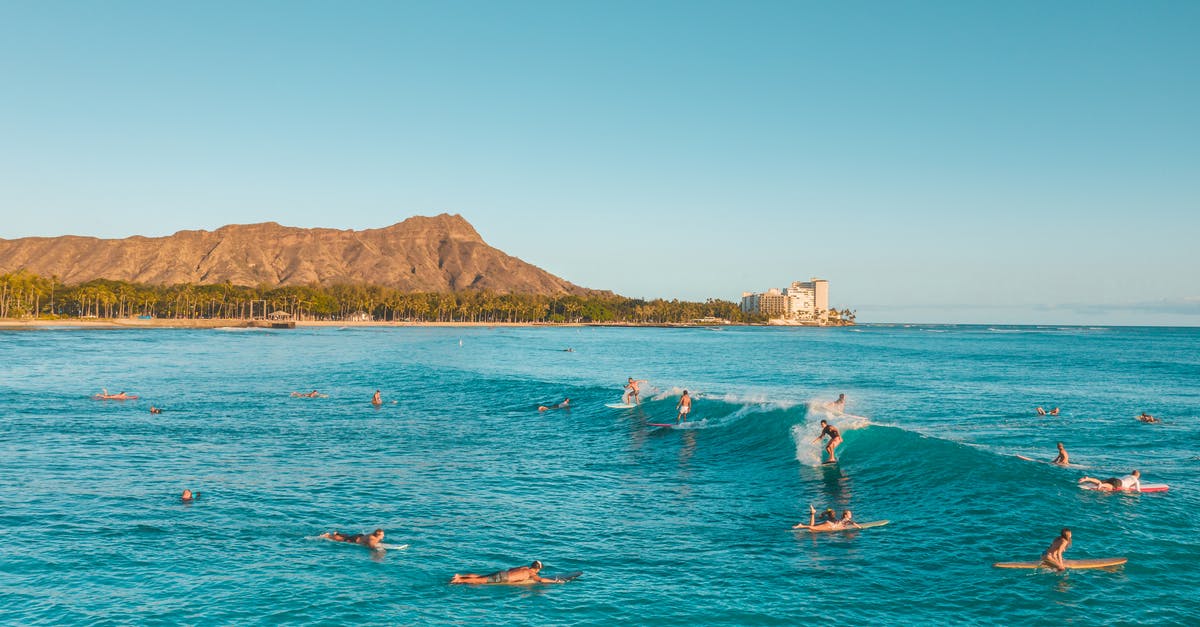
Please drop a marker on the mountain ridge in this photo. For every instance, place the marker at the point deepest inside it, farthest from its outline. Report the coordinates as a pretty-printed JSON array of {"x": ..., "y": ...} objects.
[{"x": 442, "y": 253}]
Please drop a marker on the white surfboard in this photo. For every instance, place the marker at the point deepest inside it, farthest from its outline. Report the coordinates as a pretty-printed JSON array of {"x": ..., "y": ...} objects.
[{"x": 620, "y": 405}]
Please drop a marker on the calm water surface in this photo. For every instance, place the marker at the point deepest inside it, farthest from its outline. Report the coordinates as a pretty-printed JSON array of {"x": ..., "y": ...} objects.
[{"x": 671, "y": 527}]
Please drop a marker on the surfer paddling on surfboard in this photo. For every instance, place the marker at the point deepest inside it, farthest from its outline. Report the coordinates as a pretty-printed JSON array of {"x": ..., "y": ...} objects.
[
  {"x": 371, "y": 541},
  {"x": 1053, "y": 557},
  {"x": 1131, "y": 482},
  {"x": 520, "y": 574},
  {"x": 828, "y": 521},
  {"x": 835, "y": 438},
  {"x": 566, "y": 404}
]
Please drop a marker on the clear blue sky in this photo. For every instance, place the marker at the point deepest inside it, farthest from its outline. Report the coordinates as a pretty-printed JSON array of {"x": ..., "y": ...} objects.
[{"x": 936, "y": 161}]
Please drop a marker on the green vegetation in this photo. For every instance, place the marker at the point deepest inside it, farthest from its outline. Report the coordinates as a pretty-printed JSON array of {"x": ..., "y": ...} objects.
[{"x": 24, "y": 295}]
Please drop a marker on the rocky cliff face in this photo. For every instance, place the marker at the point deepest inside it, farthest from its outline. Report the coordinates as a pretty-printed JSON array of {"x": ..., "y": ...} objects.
[{"x": 439, "y": 254}]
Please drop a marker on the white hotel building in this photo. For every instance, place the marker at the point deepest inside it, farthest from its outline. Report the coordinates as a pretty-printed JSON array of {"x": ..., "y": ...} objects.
[{"x": 803, "y": 300}]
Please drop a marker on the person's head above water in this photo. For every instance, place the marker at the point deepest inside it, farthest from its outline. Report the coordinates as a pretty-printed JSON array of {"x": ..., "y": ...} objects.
[
  {"x": 1065, "y": 534},
  {"x": 824, "y": 424},
  {"x": 536, "y": 565},
  {"x": 1136, "y": 473},
  {"x": 187, "y": 495},
  {"x": 846, "y": 515},
  {"x": 841, "y": 397}
]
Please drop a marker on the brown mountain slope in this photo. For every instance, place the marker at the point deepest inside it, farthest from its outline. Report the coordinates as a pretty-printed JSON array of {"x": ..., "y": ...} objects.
[{"x": 439, "y": 254}]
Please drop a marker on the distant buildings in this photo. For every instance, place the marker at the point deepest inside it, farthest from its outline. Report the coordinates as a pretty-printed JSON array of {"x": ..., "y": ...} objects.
[{"x": 802, "y": 301}]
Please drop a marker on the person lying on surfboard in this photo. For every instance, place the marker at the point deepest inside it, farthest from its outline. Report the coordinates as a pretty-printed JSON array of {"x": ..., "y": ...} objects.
[
  {"x": 828, "y": 521},
  {"x": 835, "y": 438},
  {"x": 839, "y": 404},
  {"x": 1053, "y": 557},
  {"x": 520, "y": 574},
  {"x": 120, "y": 396},
  {"x": 566, "y": 404},
  {"x": 1147, "y": 418},
  {"x": 312, "y": 394},
  {"x": 632, "y": 389},
  {"x": 371, "y": 541},
  {"x": 1062, "y": 458},
  {"x": 1131, "y": 481}
]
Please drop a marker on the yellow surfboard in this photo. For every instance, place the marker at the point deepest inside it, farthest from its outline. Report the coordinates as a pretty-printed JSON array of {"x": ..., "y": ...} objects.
[{"x": 1076, "y": 564}]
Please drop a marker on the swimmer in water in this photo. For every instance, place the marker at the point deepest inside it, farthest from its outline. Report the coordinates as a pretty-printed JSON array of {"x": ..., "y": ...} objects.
[
  {"x": 520, "y": 574},
  {"x": 312, "y": 394},
  {"x": 188, "y": 496},
  {"x": 566, "y": 404},
  {"x": 155, "y": 410},
  {"x": 1148, "y": 419},
  {"x": 371, "y": 540},
  {"x": 377, "y": 400},
  {"x": 1053, "y": 412},
  {"x": 1040, "y": 411}
]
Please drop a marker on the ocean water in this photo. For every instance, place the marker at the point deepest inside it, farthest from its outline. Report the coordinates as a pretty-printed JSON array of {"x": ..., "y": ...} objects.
[{"x": 670, "y": 527}]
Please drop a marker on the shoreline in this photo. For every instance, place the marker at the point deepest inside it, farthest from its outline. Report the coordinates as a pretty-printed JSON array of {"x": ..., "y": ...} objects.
[
  {"x": 219, "y": 323},
  {"x": 164, "y": 323}
]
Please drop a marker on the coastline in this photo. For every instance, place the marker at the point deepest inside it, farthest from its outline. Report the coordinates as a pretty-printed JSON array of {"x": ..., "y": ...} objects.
[{"x": 207, "y": 323}]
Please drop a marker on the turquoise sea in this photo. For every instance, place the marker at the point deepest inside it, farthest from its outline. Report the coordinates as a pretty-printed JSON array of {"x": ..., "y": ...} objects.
[{"x": 670, "y": 527}]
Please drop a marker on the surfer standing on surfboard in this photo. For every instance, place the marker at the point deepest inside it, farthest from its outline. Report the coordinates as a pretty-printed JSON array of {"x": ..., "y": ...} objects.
[
  {"x": 1053, "y": 556},
  {"x": 684, "y": 406},
  {"x": 632, "y": 390},
  {"x": 835, "y": 438}
]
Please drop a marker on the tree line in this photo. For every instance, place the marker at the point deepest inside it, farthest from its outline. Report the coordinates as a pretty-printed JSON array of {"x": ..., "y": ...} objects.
[{"x": 26, "y": 295}]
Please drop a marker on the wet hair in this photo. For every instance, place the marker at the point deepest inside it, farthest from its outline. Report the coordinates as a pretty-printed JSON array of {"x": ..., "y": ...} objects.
[
  {"x": 824, "y": 423},
  {"x": 378, "y": 531},
  {"x": 536, "y": 565},
  {"x": 1064, "y": 532},
  {"x": 685, "y": 391},
  {"x": 1136, "y": 473}
]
